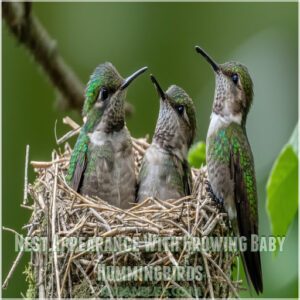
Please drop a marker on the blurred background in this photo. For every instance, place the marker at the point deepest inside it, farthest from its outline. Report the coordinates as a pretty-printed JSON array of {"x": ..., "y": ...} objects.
[{"x": 263, "y": 36}]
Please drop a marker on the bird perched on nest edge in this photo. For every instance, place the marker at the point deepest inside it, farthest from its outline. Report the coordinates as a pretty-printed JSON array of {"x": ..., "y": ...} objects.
[
  {"x": 229, "y": 157},
  {"x": 102, "y": 162}
]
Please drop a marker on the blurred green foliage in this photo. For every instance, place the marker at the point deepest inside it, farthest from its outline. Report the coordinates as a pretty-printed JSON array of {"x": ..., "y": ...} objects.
[
  {"x": 282, "y": 187},
  {"x": 197, "y": 155},
  {"x": 263, "y": 36}
]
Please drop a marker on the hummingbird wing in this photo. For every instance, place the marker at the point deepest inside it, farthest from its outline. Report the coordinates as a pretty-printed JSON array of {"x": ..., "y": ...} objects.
[
  {"x": 78, "y": 162},
  {"x": 242, "y": 172},
  {"x": 183, "y": 175},
  {"x": 187, "y": 178}
]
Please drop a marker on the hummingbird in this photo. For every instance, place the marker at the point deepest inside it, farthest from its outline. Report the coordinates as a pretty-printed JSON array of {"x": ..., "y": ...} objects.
[
  {"x": 230, "y": 163},
  {"x": 102, "y": 162},
  {"x": 165, "y": 173}
]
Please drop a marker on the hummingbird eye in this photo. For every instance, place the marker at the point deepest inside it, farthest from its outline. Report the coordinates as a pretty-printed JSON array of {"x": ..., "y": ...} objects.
[
  {"x": 180, "y": 109},
  {"x": 103, "y": 93},
  {"x": 235, "y": 78}
]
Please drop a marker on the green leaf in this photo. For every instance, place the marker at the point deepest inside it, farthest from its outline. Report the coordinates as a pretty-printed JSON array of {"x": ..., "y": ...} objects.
[
  {"x": 294, "y": 140},
  {"x": 282, "y": 188},
  {"x": 197, "y": 155}
]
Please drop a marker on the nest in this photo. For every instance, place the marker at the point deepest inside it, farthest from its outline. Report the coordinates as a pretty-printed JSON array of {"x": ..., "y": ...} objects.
[{"x": 59, "y": 213}]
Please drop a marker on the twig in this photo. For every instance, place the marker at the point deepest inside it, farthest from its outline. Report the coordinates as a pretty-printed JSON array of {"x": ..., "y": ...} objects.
[
  {"x": 53, "y": 231},
  {"x": 211, "y": 290},
  {"x": 66, "y": 272},
  {"x": 67, "y": 136},
  {"x": 46, "y": 164},
  {"x": 141, "y": 142},
  {"x": 211, "y": 225},
  {"x": 41, "y": 277},
  {"x": 77, "y": 227},
  {"x": 11, "y": 230},
  {"x": 68, "y": 121},
  {"x": 27, "y": 207},
  {"x": 223, "y": 274},
  {"x": 169, "y": 282},
  {"x": 40, "y": 201},
  {"x": 138, "y": 148},
  {"x": 85, "y": 276},
  {"x": 102, "y": 220},
  {"x": 16, "y": 261},
  {"x": 25, "y": 199},
  {"x": 75, "y": 130},
  {"x": 123, "y": 230}
]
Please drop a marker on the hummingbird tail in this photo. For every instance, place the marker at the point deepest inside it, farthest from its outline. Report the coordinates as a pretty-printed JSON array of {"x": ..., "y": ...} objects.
[
  {"x": 246, "y": 226},
  {"x": 252, "y": 266},
  {"x": 251, "y": 259}
]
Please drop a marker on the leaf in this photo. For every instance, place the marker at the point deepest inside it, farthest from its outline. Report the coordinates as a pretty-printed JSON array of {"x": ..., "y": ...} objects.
[
  {"x": 197, "y": 155},
  {"x": 294, "y": 140},
  {"x": 282, "y": 188}
]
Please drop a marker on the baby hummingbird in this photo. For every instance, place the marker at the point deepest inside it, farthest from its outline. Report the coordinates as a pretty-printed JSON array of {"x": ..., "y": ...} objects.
[
  {"x": 230, "y": 164},
  {"x": 165, "y": 173},
  {"x": 102, "y": 162}
]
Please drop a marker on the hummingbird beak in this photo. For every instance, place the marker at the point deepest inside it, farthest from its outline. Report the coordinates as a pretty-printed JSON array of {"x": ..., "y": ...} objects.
[
  {"x": 214, "y": 65},
  {"x": 159, "y": 90},
  {"x": 130, "y": 78}
]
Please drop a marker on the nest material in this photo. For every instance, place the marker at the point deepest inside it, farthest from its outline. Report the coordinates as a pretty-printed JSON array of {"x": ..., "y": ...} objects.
[{"x": 60, "y": 211}]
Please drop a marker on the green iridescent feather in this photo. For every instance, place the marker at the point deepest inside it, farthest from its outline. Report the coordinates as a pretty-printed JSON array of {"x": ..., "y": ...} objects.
[
  {"x": 78, "y": 155},
  {"x": 104, "y": 75},
  {"x": 230, "y": 142},
  {"x": 81, "y": 147}
]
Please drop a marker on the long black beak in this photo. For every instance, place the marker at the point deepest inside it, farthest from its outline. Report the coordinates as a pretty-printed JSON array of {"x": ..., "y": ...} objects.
[
  {"x": 159, "y": 90},
  {"x": 130, "y": 78},
  {"x": 214, "y": 65}
]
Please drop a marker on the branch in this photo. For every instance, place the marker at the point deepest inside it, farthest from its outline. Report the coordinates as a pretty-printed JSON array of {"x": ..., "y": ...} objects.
[{"x": 28, "y": 30}]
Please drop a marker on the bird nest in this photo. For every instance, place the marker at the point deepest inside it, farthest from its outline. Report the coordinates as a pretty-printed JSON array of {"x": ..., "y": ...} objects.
[{"x": 86, "y": 238}]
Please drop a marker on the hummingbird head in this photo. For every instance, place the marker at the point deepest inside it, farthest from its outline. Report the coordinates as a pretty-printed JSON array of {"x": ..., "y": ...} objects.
[
  {"x": 104, "y": 98},
  {"x": 234, "y": 89},
  {"x": 176, "y": 124}
]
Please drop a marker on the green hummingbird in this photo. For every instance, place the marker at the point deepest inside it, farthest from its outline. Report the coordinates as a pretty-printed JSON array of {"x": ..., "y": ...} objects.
[
  {"x": 230, "y": 163},
  {"x": 165, "y": 173},
  {"x": 102, "y": 162}
]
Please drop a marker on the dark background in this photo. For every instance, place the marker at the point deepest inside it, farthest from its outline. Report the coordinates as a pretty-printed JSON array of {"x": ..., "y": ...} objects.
[{"x": 263, "y": 36}]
